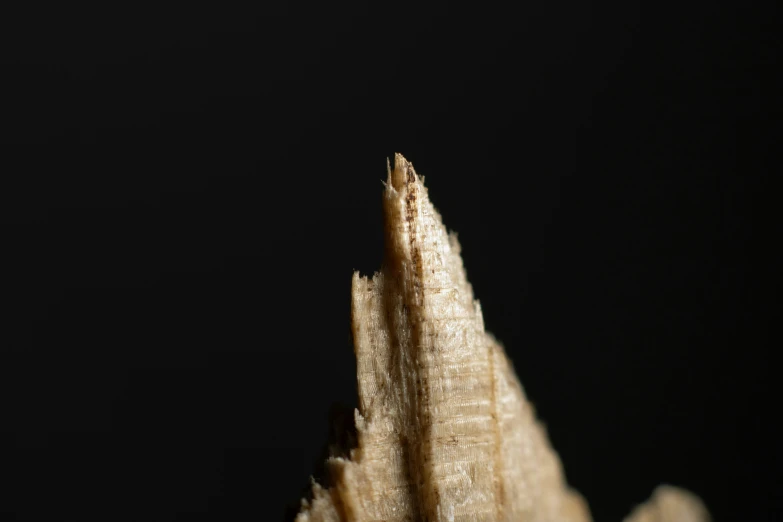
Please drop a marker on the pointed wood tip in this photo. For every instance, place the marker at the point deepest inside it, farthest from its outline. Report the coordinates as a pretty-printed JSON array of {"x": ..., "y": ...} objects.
[{"x": 403, "y": 173}]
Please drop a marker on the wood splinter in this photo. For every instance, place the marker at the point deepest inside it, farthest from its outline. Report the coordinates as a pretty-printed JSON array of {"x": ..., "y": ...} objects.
[{"x": 444, "y": 431}]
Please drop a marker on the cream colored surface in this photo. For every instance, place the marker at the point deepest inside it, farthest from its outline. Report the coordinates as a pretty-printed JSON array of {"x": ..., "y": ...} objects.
[
  {"x": 670, "y": 504},
  {"x": 445, "y": 433}
]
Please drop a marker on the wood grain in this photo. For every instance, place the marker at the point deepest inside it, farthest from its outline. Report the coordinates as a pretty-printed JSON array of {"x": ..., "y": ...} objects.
[{"x": 444, "y": 430}]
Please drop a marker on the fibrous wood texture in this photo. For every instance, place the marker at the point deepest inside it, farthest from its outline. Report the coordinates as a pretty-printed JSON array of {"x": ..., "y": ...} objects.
[{"x": 444, "y": 431}]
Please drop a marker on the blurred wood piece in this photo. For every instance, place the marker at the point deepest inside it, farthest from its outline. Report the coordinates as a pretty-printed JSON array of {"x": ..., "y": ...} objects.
[{"x": 444, "y": 431}]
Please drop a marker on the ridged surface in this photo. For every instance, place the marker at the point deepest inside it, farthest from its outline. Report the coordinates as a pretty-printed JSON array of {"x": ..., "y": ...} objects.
[{"x": 444, "y": 431}]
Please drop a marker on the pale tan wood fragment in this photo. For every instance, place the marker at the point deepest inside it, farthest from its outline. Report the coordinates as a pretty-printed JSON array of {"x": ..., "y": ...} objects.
[
  {"x": 670, "y": 504},
  {"x": 444, "y": 431}
]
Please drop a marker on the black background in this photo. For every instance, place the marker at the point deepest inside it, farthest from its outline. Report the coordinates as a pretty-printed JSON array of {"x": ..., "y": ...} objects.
[{"x": 186, "y": 192}]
